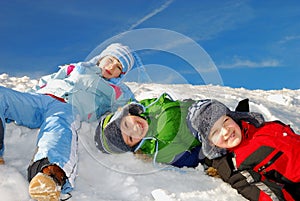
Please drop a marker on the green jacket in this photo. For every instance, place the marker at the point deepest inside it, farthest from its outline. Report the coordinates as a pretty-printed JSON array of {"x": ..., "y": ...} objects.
[{"x": 168, "y": 135}]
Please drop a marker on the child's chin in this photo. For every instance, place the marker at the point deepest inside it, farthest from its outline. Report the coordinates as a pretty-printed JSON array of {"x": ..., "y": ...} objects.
[{"x": 235, "y": 142}]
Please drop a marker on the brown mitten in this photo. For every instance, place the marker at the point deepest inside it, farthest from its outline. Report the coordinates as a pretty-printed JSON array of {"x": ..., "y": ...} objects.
[
  {"x": 140, "y": 155},
  {"x": 2, "y": 161},
  {"x": 56, "y": 173},
  {"x": 212, "y": 172}
]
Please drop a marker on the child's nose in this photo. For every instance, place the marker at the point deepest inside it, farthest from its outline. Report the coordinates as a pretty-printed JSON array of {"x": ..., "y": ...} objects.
[
  {"x": 110, "y": 67},
  {"x": 135, "y": 128},
  {"x": 224, "y": 131}
]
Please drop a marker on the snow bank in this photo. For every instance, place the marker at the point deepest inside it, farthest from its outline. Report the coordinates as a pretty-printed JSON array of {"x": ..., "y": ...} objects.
[{"x": 124, "y": 177}]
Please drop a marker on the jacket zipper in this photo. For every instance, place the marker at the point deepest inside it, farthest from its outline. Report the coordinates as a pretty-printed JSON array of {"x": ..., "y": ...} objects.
[{"x": 273, "y": 159}]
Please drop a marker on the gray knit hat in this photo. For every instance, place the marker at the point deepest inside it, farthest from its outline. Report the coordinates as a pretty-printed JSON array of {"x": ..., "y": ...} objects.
[
  {"x": 108, "y": 136},
  {"x": 203, "y": 115}
]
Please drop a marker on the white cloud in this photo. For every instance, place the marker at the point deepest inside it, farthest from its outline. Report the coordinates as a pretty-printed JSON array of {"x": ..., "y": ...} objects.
[
  {"x": 153, "y": 13},
  {"x": 289, "y": 38},
  {"x": 246, "y": 63},
  {"x": 207, "y": 21}
]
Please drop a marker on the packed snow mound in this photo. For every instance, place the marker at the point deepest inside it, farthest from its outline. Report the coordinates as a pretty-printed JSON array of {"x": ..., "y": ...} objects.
[{"x": 123, "y": 177}]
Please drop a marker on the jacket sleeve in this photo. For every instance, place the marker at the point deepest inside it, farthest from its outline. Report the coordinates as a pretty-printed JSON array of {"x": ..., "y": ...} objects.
[
  {"x": 62, "y": 73},
  {"x": 187, "y": 158},
  {"x": 249, "y": 183}
]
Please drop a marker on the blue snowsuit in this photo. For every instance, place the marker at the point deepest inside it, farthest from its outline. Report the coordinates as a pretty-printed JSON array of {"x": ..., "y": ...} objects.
[{"x": 75, "y": 93}]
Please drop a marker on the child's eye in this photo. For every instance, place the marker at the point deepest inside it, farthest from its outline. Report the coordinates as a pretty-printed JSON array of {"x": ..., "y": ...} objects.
[
  {"x": 225, "y": 121},
  {"x": 215, "y": 132},
  {"x": 211, "y": 134},
  {"x": 120, "y": 68}
]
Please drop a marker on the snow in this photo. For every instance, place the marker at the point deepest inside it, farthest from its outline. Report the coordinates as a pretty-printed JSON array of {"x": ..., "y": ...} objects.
[{"x": 124, "y": 177}]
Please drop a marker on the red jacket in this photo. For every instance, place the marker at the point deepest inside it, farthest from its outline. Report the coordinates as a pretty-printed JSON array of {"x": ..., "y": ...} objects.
[{"x": 273, "y": 151}]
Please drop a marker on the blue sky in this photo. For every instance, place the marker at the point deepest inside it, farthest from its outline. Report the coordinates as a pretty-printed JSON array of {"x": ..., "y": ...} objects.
[{"x": 254, "y": 44}]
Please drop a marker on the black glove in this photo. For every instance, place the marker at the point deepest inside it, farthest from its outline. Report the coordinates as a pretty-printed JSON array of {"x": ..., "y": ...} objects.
[
  {"x": 248, "y": 183},
  {"x": 244, "y": 178}
]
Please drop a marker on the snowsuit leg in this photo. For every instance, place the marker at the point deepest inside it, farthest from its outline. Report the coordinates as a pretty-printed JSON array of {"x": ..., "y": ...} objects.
[
  {"x": 23, "y": 108},
  {"x": 58, "y": 123},
  {"x": 57, "y": 140}
]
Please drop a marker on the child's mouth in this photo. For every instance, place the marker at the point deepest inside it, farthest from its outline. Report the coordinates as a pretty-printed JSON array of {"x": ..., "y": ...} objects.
[
  {"x": 232, "y": 135},
  {"x": 140, "y": 125},
  {"x": 107, "y": 71}
]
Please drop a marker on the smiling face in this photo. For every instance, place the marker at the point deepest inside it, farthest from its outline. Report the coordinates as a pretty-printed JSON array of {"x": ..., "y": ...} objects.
[
  {"x": 134, "y": 129},
  {"x": 225, "y": 133},
  {"x": 111, "y": 67}
]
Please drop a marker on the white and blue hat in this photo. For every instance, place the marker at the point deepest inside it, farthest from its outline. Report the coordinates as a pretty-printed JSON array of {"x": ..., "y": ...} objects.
[{"x": 122, "y": 53}]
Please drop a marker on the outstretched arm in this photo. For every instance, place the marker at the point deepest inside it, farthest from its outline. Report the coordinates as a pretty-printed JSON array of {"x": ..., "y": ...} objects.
[
  {"x": 62, "y": 73},
  {"x": 249, "y": 183}
]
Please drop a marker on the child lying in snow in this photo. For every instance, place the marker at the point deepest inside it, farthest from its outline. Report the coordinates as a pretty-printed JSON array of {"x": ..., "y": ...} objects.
[
  {"x": 83, "y": 91},
  {"x": 156, "y": 127},
  {"x": 262, "y": 160}
]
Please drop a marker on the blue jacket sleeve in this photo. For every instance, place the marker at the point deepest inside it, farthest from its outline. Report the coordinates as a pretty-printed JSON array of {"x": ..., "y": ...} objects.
[{"x": 187, "y": 158}]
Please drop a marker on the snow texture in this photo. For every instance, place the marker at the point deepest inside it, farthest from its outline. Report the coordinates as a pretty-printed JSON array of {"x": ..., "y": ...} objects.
[{"x": 123, "y": 177}]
